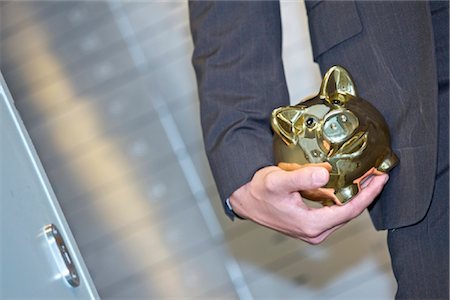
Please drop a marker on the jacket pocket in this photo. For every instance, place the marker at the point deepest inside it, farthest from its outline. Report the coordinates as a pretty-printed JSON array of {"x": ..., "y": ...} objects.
[{"x": 331, "y": 23}]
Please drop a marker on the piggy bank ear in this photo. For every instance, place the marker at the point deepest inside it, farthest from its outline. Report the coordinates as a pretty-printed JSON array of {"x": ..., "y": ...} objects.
[
  {"x": 284, "y": 123},
  {"x": 337, "y": 84}
]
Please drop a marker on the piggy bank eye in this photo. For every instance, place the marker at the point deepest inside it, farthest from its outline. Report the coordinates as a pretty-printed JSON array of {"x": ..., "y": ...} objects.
[
  {"x": 310, "y": 122},
  {"x": 337, "y": 102}
]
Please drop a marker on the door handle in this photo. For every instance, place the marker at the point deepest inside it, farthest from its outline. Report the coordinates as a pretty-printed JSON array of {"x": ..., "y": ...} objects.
[{"x": 61, "y": 255}]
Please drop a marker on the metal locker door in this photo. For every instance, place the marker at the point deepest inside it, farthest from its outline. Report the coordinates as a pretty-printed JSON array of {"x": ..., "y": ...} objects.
[{"x": 39, "y": 257}]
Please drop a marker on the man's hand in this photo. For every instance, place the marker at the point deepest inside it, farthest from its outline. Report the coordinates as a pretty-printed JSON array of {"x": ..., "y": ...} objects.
[{"x": 272, "y": 199}]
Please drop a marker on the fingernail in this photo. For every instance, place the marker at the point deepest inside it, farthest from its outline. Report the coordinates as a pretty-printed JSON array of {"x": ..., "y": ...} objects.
[{"x": 320, "y": 176}]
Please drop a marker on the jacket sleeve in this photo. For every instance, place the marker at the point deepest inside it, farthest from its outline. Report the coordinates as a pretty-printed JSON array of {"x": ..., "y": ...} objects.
[{"x": 240, "y": 77}]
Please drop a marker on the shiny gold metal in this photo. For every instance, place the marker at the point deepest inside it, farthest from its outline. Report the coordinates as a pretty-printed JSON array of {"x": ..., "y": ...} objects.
[{"x": 338, "y": 129}]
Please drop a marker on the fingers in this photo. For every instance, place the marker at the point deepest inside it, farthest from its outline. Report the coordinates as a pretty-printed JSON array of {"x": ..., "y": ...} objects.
[
  {"x": 302, "y": 179},
  {"x": 321, "y": 222},
  {"x": 367, "y": 195},
  {"x": 336, "y": 215},
  {"x": 269, "y": 201}
]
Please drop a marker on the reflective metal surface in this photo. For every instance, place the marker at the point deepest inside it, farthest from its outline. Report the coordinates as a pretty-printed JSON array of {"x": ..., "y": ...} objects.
[
  {"x": 338, "y": 129},
  {"x": 61, "y": 254}
]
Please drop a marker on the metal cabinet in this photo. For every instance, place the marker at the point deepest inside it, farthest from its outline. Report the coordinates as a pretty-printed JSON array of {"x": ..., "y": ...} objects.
[{"x": 39, "y": 257}]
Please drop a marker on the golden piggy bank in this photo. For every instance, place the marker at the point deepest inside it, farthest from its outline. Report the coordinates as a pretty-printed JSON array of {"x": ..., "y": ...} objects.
[{"x": 337, "y": 128}]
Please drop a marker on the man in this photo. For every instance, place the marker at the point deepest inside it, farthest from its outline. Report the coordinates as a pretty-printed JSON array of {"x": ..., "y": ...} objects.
[{"x": 398, "y": 54}]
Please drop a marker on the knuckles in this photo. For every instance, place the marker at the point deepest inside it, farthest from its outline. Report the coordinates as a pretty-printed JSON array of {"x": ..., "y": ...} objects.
[
  {"x": 310, "y": 234},
  {"x": 270, "y": 182}
]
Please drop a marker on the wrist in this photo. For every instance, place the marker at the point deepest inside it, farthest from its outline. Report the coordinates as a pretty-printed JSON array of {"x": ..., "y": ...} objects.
[{"x": 231, "y": 209}]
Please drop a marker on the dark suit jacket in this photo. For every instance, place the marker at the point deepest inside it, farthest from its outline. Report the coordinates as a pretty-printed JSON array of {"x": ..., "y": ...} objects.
[{"x": 386, "y": 46}]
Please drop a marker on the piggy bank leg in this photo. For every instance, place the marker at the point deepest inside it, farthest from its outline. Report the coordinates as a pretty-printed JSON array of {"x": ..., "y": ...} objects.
[
  {"x": 346, "y": 193},
  {"x": 388, "y": 163}
]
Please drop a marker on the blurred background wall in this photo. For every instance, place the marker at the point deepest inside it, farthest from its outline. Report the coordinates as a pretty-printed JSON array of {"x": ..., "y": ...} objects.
[{"x": 108, "y": 95}]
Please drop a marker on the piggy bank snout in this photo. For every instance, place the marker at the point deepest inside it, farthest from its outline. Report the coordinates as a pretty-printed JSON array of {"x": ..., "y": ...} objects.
[{"x": 339, "y": 126}]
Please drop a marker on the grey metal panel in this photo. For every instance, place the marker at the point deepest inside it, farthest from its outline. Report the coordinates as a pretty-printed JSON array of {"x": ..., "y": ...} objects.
[
  {"x": 50, "y": 26},
  {"x": 158, "y": 46},
  {"x": 16, "y": 17},
  {"x": 27, "y": 205},
  {"x": 176, "y": 81},
  {"x": 89, "y": 46},
  {"x": 148, "y": 19},
  {"x": 77, "y": 81},
  {"x": 168, "y": 242},
  {"x": 183, "y": 280},
  {"x": 127, "y": 109},
  {"x": 166, "y": 193}
]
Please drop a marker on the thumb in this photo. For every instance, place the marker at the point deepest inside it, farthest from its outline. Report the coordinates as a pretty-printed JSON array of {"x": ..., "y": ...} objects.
[{"x": 307, "y": 178}]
